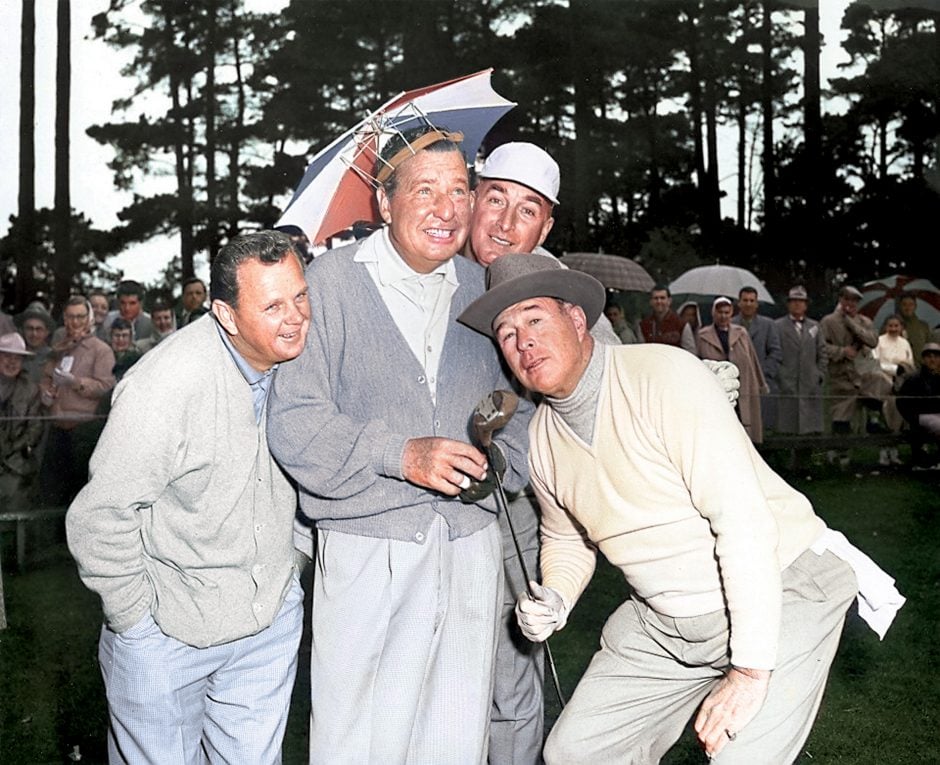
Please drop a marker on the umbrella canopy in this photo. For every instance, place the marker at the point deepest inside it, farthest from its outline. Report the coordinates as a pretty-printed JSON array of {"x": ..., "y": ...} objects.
[
  {"x": 719, "y": 280},
  {"x": 879, "y": 296},
  {"x": 613, "y": 271},
  {"x": 338, "y": 188}
]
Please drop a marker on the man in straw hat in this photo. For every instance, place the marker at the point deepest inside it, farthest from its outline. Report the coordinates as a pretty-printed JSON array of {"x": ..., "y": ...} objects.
[
  {"x": 372, "y": 424},
  {"x": 739, "y": 589}
]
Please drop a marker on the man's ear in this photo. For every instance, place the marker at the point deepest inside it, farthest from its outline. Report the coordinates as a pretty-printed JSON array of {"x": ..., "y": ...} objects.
[
  {"x": 225, "y": 315},
  {"x": 383, "y": 201},
  {"x": 579, "y": 319},
  {"x": 546, "y": 228}
]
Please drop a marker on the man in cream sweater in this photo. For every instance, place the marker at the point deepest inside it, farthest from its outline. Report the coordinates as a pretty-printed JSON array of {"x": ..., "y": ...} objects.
[{"x": 739, "y": 590}]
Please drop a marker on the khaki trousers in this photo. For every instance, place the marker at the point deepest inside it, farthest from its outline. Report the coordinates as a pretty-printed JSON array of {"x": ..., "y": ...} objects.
[{"x": 652, "y": 672}]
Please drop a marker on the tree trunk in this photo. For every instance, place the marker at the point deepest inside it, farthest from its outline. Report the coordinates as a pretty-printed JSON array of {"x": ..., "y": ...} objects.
[
  {"x": 183, "y": 178},
  {"x": 62, "y": 235},
  {"x": 212, "y": 227},
  {"x": 695, "y": 105},
  {"x": 812, "y": 119},
  {"x": 712, "y": 221},
  {"x": 582, "y": 128},
  {"x": 26, "y": 212},
  {"x": 767, "y": 109},
  {"x": 234, "y": 148}
]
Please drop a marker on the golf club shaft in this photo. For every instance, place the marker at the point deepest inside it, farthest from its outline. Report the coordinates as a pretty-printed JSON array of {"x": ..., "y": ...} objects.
[{"x": 504, "y": 508}]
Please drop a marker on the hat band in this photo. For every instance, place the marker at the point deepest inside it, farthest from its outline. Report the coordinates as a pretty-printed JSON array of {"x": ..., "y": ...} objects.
[{"x": 410, "y": 149}]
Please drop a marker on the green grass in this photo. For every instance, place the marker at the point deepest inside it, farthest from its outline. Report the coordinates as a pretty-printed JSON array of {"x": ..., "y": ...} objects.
[{"x": 880, "y": 707}]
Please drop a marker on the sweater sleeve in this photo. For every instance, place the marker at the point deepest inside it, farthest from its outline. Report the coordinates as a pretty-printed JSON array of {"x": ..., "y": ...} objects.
[{"x": 567, "y": 557}]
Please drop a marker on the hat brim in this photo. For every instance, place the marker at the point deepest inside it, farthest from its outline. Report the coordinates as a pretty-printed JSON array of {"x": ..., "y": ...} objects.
[{"x": 565, "y": 284}]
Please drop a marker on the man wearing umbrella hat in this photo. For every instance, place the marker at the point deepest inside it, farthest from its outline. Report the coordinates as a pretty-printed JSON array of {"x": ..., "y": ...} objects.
[
  {"x": 739, "y": 591},
  {"x": 372, "y": 423}
]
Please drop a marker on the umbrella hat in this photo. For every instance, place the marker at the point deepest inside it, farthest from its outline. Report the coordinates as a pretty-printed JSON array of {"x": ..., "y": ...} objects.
[
  {"x": 719, "y": 280},
  {"x": 338, "y": 187}
]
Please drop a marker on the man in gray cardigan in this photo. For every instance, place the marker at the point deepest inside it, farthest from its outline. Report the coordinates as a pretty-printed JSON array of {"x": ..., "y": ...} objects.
[
  {"x": 372, "y": 424},
  {"x": 185, "y": 528}
]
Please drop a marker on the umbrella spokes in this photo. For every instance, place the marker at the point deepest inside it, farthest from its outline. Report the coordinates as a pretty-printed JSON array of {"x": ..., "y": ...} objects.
[{"x": 380, "y": 129}]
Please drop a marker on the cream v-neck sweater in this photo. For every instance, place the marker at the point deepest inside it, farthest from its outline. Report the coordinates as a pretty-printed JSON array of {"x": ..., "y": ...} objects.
[{"x": 674, "y": 494}]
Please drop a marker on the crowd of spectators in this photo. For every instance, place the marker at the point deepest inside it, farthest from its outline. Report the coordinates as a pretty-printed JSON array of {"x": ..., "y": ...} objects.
[
  {"x": 56, "y": 380},
  {"x": 793, "y": 369}
]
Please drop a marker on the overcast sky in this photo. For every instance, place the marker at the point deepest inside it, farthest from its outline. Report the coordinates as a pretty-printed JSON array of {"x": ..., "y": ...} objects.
[{"x": 96, "y": 82}]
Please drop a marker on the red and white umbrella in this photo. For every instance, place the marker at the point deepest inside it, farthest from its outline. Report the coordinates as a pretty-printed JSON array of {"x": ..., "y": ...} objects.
[
  {"x": 338, "y": 189},
  {"x": 879, "y": 298}
]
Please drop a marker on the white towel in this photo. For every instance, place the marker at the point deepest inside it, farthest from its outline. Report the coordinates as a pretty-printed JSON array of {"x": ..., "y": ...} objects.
[{"x": 878, "y": 598}]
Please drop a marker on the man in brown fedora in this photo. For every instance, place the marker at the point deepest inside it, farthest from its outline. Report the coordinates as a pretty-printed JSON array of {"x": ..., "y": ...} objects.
[{"x": 739, "y": 589}]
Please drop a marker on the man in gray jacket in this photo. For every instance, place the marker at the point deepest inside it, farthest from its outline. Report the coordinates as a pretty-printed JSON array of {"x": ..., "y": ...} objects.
[
  {"x": 372, "y": 423},
  {"x": 186, "y": 534}
]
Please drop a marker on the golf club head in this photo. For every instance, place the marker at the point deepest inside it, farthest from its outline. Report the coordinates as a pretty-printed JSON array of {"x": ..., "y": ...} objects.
[{"x": 492, "y": 413}]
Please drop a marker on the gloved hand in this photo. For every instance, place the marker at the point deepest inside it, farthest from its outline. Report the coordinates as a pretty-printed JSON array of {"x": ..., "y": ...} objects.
[
  {"x": 728, "y": 375},
  {"x": 478, "y": 490},
  {"x": 63, "y": 379},
  {"x": 539, "y": 617}
]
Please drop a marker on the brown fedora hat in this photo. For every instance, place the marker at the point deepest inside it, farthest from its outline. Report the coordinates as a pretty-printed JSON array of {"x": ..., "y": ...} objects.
[{"x": 516, "y": 277}]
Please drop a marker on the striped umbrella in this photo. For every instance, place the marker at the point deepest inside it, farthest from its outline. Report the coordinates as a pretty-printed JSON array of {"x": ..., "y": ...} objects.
[
  {"x": 338, "y": 188},
  {"x": 879, "y": 296}
]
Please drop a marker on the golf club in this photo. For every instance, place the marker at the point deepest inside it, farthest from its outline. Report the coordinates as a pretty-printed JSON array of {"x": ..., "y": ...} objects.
[{"x": 491, "y": 414}]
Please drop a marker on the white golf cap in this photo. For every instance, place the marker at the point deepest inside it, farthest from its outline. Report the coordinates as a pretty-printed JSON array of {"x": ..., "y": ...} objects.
[{"x": 527, "y": 164}]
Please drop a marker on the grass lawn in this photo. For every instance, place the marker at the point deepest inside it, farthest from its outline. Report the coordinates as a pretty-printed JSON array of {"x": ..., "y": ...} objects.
[{"x": 881, "y": 705}]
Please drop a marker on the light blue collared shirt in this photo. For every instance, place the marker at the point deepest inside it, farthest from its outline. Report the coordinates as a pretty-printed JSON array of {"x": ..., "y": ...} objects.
[{"x": 258, "y": 382}]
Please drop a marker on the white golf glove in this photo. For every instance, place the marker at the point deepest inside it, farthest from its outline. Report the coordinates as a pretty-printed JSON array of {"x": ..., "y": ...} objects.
[
  {"x": 728, "y": 375},
  {"x": 538, "y": 618}
]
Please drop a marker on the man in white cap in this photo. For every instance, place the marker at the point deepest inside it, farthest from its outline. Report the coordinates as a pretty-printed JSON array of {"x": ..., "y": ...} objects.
[
  {"x": 739, "y": 591},
  {"x": 515, "y": 197}
]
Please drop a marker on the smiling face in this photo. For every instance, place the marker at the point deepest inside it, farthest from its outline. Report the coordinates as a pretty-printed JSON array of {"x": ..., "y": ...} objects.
[
  {"x": 273, "y": 314},
  {"x": 10, "y": 364},
  {"x": 120, "y": 340},
  {"x": 99, "y": 305},
  {"x": 660, "y": 301},
  {"x": 893, "y": 327},
  {"x": 35, "y": 333},
  {"x": 545, "y": 343},
  {"x": 429, "y": 213},
  {"x": 507, "y": 217},
  {"x": 162, "y": 319}
]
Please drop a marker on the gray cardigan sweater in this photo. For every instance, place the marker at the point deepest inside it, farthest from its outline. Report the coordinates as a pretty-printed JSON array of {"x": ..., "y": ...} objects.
[
  {"x": 186, "y": 515},
  {"x": 340, "y": 414}
]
